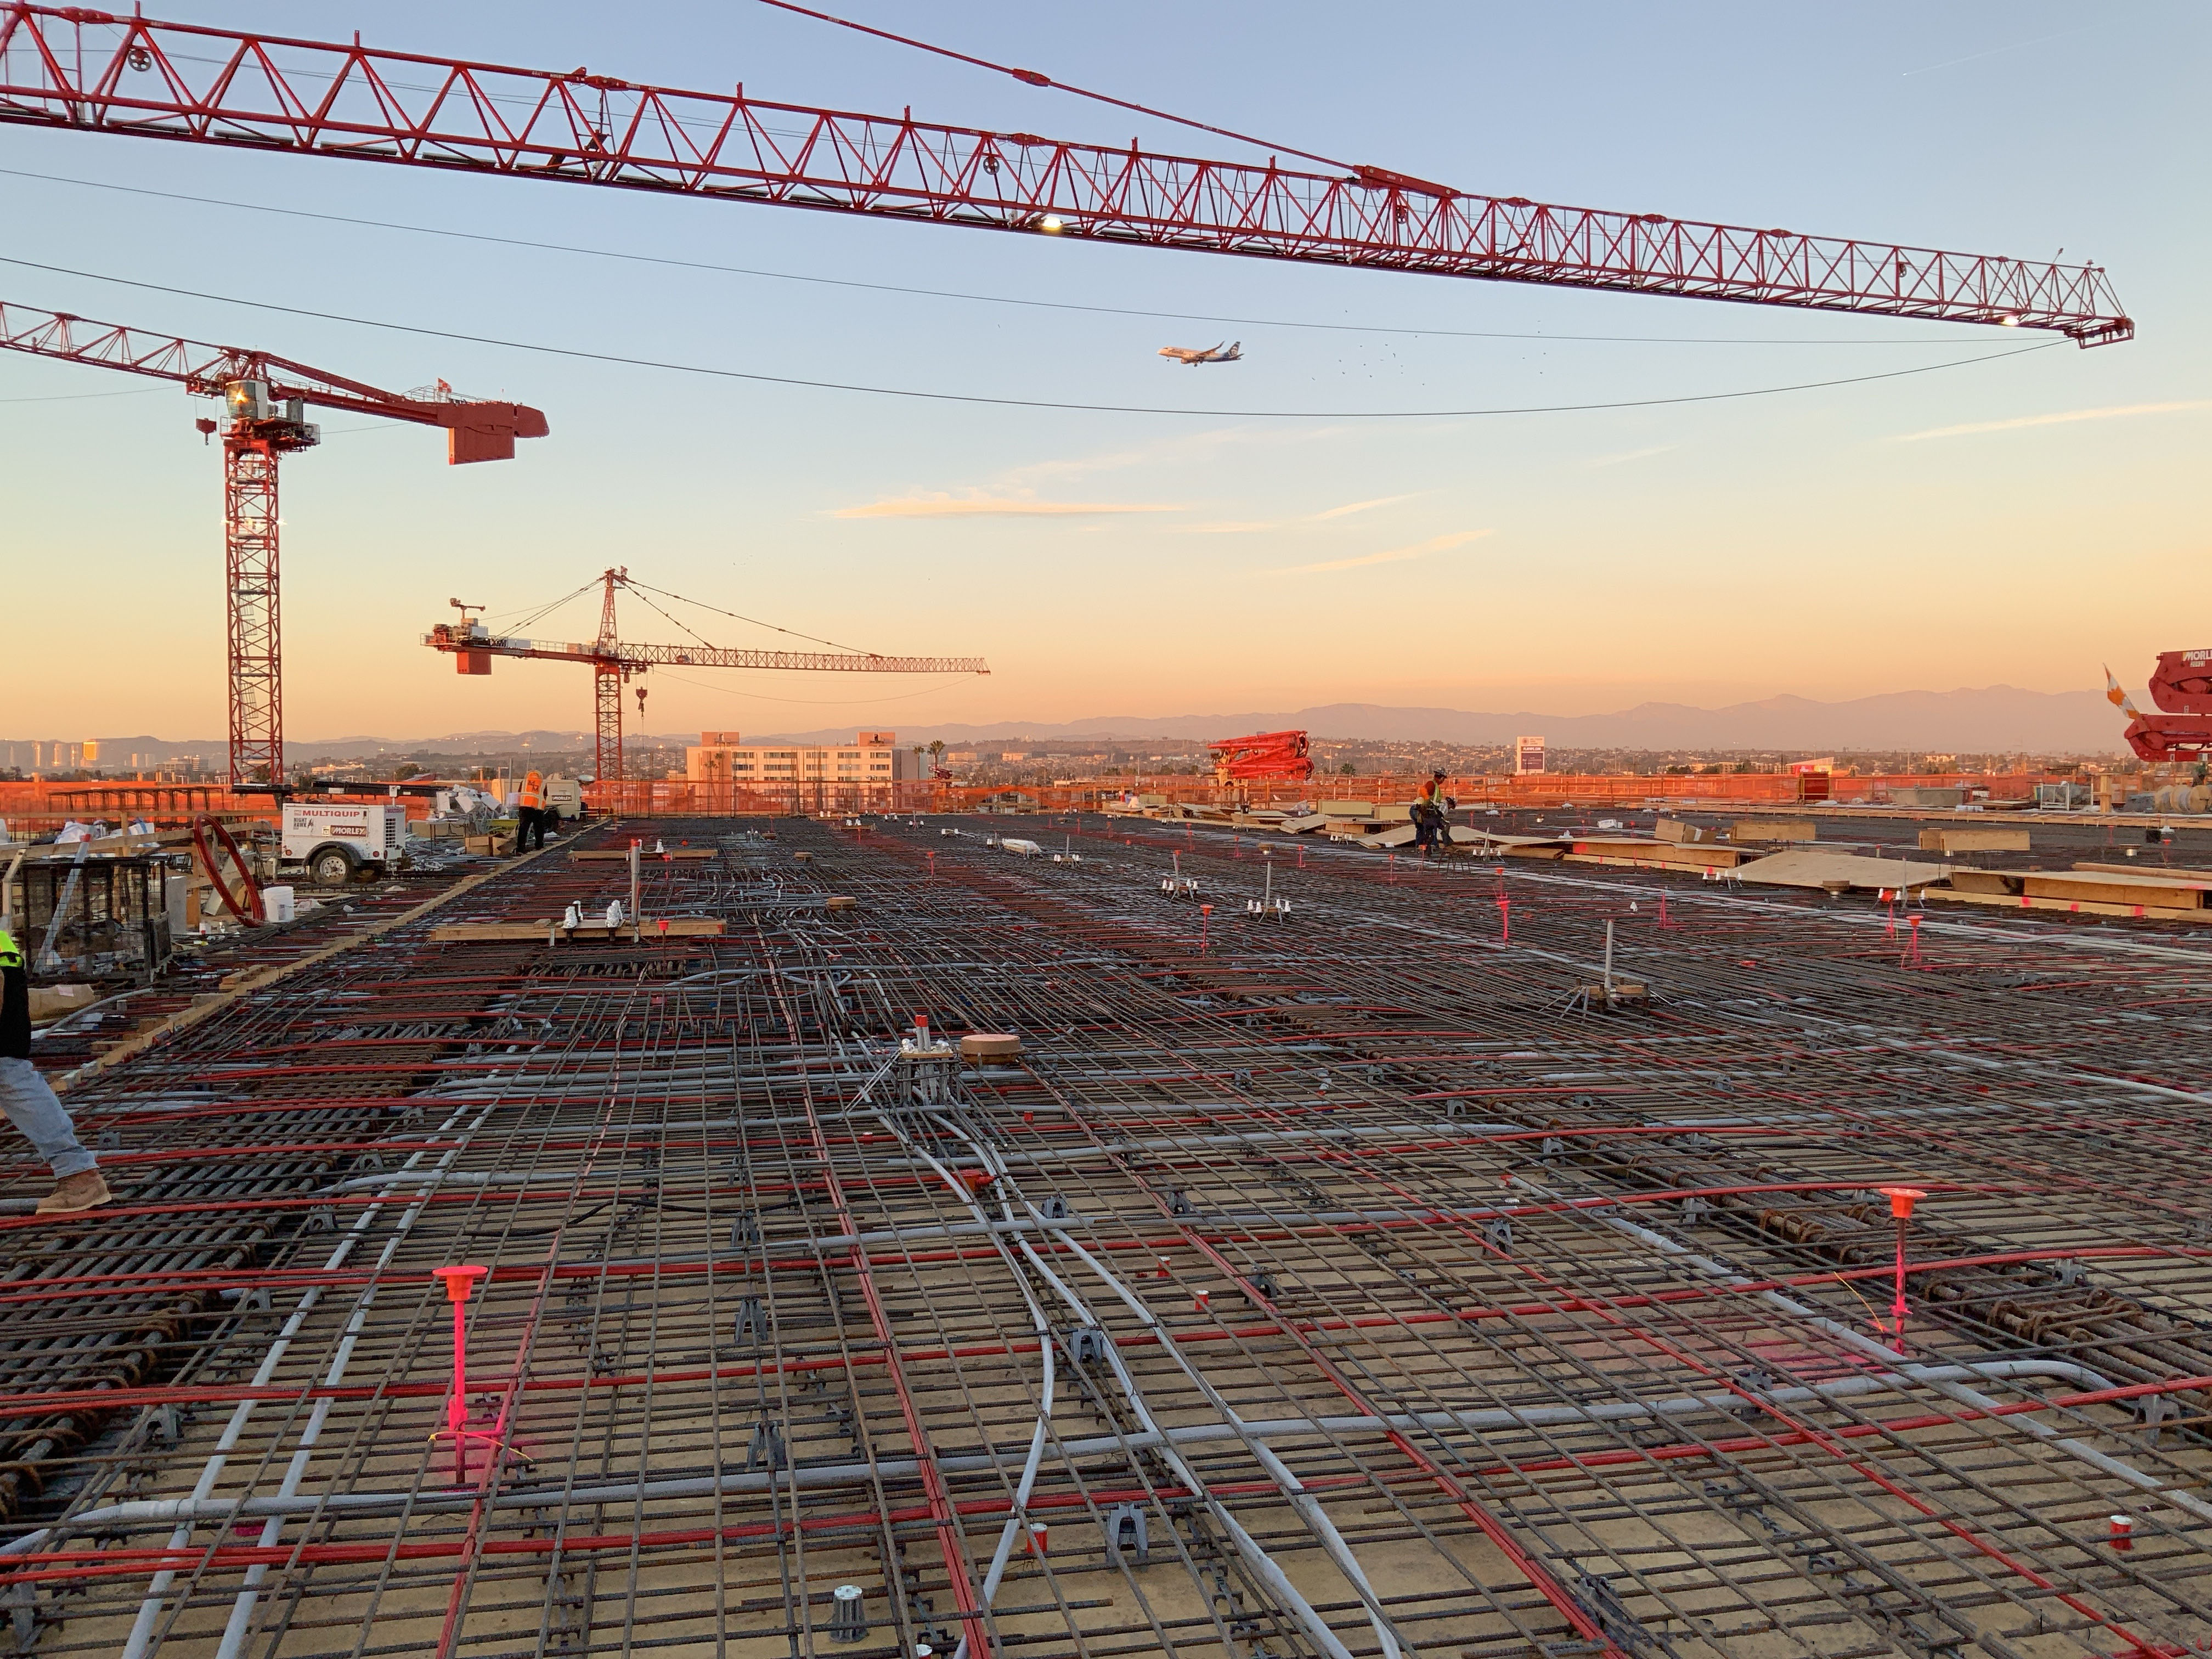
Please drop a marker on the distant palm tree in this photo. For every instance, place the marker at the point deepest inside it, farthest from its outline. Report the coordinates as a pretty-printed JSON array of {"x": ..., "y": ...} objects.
[{"x": 936, "y": 755}]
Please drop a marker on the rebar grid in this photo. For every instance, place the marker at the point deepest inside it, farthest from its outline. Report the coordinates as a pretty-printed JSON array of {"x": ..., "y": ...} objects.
[{"x": 1400, "y": 1299}]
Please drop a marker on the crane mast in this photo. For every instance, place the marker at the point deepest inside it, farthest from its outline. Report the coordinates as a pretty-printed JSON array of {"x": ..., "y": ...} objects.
[
  {"x": 94, "y": 71},
  {"x": 615, "y": 660},
  {"x": 266, "y": 398}
]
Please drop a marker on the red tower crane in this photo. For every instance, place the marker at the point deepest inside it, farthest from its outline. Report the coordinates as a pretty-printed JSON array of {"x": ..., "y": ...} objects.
[
  {"x": 614, "y": 660},
  {"x": 265, "y": 418},
  {"x": 92, "y": 71}
]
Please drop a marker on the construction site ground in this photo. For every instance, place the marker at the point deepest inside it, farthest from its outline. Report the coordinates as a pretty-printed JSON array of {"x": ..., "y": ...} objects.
[{"x": 1341, "y": 1280}]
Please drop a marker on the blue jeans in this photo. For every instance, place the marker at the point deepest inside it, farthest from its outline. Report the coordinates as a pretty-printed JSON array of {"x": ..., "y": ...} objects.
[{"x": 31, "y": 1108}]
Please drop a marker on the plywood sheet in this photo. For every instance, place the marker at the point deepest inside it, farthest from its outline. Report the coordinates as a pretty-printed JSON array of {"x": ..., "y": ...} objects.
[{"x": 1811, "y": 867}]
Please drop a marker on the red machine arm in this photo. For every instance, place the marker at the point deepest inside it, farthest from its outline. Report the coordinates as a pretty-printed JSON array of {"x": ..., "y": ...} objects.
[
  {"x": 89, "y": 70},
  {"x": 1262, "y": 754}
]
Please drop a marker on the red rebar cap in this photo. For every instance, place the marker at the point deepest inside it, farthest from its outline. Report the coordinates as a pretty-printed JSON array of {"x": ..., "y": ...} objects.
[
  {"x": 460, "y": 1281},
  {"x": 1901, "y": 1199}
]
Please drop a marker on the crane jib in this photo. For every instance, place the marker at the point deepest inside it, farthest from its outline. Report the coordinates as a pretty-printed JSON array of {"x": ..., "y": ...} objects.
[{"x": 87, "y": 70}]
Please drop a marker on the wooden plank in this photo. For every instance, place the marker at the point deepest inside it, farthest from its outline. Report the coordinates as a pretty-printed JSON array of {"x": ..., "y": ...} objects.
[
  {"x": 2104, "y": 888},
  {"x": 479, "y": 933},
  {"x": 1985, "y": 881},
  {"x": 1695, "y": 854},
  {"x": 642, "y": 852},
  {"x": 2068, "y": 906},
  {"x": 1625, "y": 861},
  {"x": 2163, "y": 872},
  {"x": 1994, "y": 839},
  {"x": 1774, "y": 829}
]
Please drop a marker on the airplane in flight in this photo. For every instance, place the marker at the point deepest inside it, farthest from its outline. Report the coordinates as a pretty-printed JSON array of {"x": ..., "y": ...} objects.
[{"x": 1192, "y": 356}]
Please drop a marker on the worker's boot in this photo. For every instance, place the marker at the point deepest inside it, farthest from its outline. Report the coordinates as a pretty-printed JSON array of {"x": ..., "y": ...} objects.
[{"x": 85, "y": 1190}]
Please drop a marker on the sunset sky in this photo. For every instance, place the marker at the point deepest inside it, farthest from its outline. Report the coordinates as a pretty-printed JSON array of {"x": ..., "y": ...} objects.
[{"x": 2020, "y": 521}]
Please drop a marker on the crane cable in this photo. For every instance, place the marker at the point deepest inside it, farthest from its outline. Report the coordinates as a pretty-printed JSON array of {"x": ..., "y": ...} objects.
[
  {"x": 1031, "y": 77},
  {"x": 632, "y": 582},
  {"x": 951, "y": 294},
  {"x": 581, "y": 354}
]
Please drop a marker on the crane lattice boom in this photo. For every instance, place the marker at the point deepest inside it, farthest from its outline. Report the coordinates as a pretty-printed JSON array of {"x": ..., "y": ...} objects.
[
  {"x": 447, "y": 637},
  {"x": 206, "y": 370},
  {"x": 613, "y": 659},
  {"x": 90, "y": 70}
]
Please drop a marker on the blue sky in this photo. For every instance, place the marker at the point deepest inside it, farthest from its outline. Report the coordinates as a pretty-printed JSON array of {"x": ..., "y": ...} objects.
[{"x": 1809, "y": 542}]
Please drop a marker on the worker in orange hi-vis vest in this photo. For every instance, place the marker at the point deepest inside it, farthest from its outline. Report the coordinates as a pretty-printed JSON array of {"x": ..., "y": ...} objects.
[
  {"x": 1432, "y": 816},
  {"x": 532, "y": 818}
]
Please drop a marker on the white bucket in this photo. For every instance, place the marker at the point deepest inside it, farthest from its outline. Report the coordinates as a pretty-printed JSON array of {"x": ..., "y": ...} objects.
[{"x": 277, "y": 905}]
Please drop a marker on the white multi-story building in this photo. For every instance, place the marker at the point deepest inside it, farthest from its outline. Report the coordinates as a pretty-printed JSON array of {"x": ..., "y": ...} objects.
[{"x": 872, "y": 757}]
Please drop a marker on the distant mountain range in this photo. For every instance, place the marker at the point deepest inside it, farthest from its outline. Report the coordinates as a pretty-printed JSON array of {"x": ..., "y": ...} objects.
[
  {"x": 1965, "y": 721},
  {"x": 1977, "y": 720}
]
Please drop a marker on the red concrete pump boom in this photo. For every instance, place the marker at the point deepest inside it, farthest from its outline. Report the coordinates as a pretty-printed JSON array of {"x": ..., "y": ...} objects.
[
  {"x": 1263, "y": 755},
  {"x": 92, "y": 71},
  {"x": 2181, "y": 685},
  {"x": 615, "y": 660},
  {"x": 266, "y": 398}
]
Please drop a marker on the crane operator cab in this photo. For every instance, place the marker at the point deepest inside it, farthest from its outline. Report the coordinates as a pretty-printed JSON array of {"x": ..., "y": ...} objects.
[{"x": 258, "y": 417}]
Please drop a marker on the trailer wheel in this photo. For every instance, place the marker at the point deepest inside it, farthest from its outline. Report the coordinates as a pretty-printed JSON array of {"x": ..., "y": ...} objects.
[{"x": 330, "y": 866}]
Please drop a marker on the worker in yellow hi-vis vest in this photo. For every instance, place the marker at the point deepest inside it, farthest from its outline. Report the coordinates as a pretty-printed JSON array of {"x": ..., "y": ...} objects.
[
  {"x": 30, "y": 1105},
  {"x": 531, "y": 820}
]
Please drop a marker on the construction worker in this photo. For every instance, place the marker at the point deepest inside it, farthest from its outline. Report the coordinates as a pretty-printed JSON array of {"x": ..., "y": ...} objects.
[
  {"x": 1431, "y": 808},
  {"x": 531, "y": 816},
  {"x": 30, "y": 1105}
]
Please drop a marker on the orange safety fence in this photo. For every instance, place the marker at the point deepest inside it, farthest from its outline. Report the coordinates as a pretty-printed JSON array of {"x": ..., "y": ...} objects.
[
  {"x": 39, "y": 807},
  {"x": 684, "y": 798}
]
